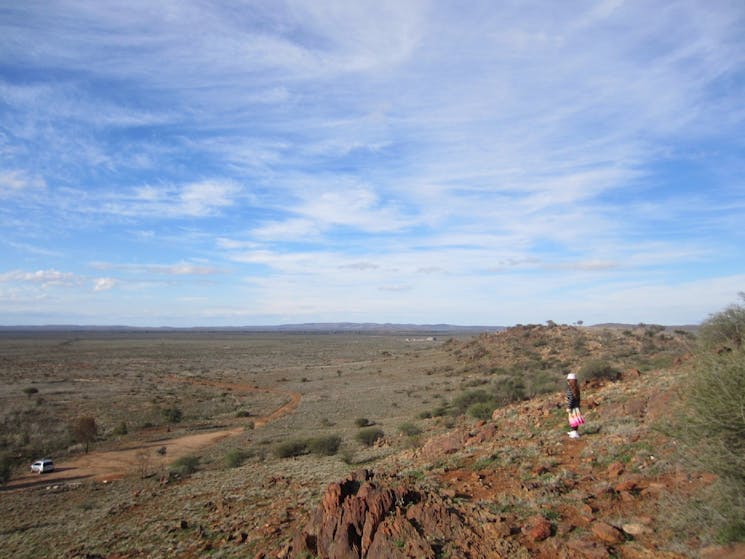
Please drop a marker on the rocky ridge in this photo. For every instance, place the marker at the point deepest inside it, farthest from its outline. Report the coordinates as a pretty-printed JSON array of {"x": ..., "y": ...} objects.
[{"x": 518, "y": 487}]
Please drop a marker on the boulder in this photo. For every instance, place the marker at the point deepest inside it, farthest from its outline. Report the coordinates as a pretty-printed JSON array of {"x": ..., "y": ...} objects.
[
  {"x": 387, "y": 518},
  {"x": 606, "y": 533},
  {"x": 537, "y": 528},
  {"x": 448, "y": 443}
]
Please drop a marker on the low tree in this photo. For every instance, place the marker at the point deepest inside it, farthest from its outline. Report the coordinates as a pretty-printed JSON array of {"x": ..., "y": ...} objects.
[
  {"x": 84, "y": 431},
  {"x": 6, "y": 468}
]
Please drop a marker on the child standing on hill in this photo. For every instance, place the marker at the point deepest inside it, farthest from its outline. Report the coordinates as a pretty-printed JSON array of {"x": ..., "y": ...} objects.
[{"x": 573, "y": 403}]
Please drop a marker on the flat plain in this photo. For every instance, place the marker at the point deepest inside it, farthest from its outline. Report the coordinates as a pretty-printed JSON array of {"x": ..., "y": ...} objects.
[{"x": 236, "y": 394}]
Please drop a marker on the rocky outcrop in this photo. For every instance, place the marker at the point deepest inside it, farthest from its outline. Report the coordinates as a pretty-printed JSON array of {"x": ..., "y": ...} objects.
[{"x": 386, "y": 518}]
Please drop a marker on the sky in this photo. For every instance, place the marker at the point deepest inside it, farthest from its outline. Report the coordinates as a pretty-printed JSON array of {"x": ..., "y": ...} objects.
[{"x": 227, "y": 163}]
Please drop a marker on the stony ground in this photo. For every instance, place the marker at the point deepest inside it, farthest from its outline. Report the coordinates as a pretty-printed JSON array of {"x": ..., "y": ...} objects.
[
  {"x": 511, "y": 486},
  {"x": 522, "y": 488}
]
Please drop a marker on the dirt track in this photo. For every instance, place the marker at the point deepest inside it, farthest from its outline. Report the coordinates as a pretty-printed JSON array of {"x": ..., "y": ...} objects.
[{"x": 135, "y": 455}]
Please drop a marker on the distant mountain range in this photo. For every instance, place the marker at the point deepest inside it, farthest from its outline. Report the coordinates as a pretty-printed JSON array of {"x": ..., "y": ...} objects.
[{"x": 312, "y": 327}]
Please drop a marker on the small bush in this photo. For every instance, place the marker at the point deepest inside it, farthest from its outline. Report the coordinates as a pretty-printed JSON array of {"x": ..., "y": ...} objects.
[
  {"x": 347, "y": 456},
  {"x": 598, "y": 369},
  {"x": 463, "y": 401},
  {"x": 324, "y": 446},
  {"x": 185, "y": 465},
  {"x": 710, "y": 429},
  {"x": 440, "y": 411},
  {"x": 121, "y": 429},
  {"x": 172, "y": 415},
  {"x": 288, "y": 449},
  {"x": 236, "y": 457},
  {"x": 410, "y": 429},
  {"x": 481, "y": 410},
  {"x": 725, "y": 328},
  {"x": 509, "y": 390},
  {"x": 369, "y": 436},
  {"x": 362, "y": 422}
]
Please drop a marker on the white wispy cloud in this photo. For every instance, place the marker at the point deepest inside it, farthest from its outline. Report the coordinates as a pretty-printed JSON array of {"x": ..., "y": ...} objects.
[
  {"x": 45, "y": 278},
  {"x": 103, "y": 284},
  {"x": 199, "y": 199},
  {"x": 403, "y": 151},
  {"x": 179, "y": 269},
  {"x": 14, "y": 181}
]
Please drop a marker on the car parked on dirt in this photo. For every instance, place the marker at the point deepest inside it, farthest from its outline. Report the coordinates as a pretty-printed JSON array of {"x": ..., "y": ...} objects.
[{"x": 41, "y": 466}]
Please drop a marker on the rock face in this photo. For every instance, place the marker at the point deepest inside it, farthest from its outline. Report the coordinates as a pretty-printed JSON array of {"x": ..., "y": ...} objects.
[{"x": 361, "y": 517}]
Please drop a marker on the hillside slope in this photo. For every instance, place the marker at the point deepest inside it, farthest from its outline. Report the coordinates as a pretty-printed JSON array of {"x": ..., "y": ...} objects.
[{"x": 516, "y": 486}]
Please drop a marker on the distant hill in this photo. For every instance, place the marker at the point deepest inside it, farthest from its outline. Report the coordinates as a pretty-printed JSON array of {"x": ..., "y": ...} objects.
[
  {"x": 311, "y": 327},
  {"x": 321, "y": 327}
]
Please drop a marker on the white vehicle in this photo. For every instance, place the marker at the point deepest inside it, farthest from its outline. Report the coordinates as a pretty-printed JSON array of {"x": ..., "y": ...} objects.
[{"x": 41, "y": 466}]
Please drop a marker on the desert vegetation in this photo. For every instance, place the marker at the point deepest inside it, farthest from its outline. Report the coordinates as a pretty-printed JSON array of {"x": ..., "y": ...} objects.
[
  {"x": 282, "y": 416},
  {"x": 710, "y": 426}
]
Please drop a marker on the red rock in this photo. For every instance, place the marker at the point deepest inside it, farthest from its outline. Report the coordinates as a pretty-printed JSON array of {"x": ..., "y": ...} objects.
[
  {"x": 632, "y": 373},
  {"x": 587, "y": 549},
  {"x": 635, "y": 528},
  {"x": 626, "y": 496},
  {"x": 615, "y": 469},
  {"x": 448, "y": 443},
  {"x": 537, "y": 529},
  {"x": 635, "y": 407},
  {"x": 630, "y": 483},
  {"x": 382, "y": 518},
  {"x": 607, "y": 533},
  {"x": 733, "y": 551},
  {"x": 586, "y": 510}
]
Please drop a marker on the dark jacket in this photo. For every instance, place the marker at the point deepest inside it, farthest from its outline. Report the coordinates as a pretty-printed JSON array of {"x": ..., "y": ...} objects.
[{"x": 572, "y": 400}]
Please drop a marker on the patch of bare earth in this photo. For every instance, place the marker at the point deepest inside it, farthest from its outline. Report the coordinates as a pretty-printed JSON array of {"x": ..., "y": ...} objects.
[{"x": 126, "y": 459}]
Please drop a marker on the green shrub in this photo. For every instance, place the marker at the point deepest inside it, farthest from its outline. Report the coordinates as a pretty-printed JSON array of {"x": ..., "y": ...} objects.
[
  {"x": 598, "y": 369},
  {"x": 714, "y": 423},
  {"x": 725, "y": 328},
  {"x": 172, "y": 415},
  {"x": 369, "y": 436},
  {"x": 710, "y": 429},
  {"x": 288, "y": 449},
  {"x": 509, "y": 390},
  {"x": 186, "y": 465},
  {"x": 324, "y": 446},
  {"x": 463, "y": 401},
  {"x": 440, "y": 411},
  {"x": 410, "y": 429},
  {"x": 121, "y": 429},
  {"x": 481, "y": 410},
  {"x": 236, "y": 457}
]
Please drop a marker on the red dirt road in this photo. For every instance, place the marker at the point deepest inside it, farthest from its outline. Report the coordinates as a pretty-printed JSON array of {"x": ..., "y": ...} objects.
[{"x": 134, "y": 456}]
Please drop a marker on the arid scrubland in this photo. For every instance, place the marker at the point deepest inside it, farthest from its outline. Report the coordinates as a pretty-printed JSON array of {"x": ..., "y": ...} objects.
[{"x": 234, "y": 437}]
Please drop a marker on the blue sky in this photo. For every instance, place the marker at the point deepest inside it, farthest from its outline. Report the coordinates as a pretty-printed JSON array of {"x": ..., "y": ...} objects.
[{"x": 190, "y": 162}]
